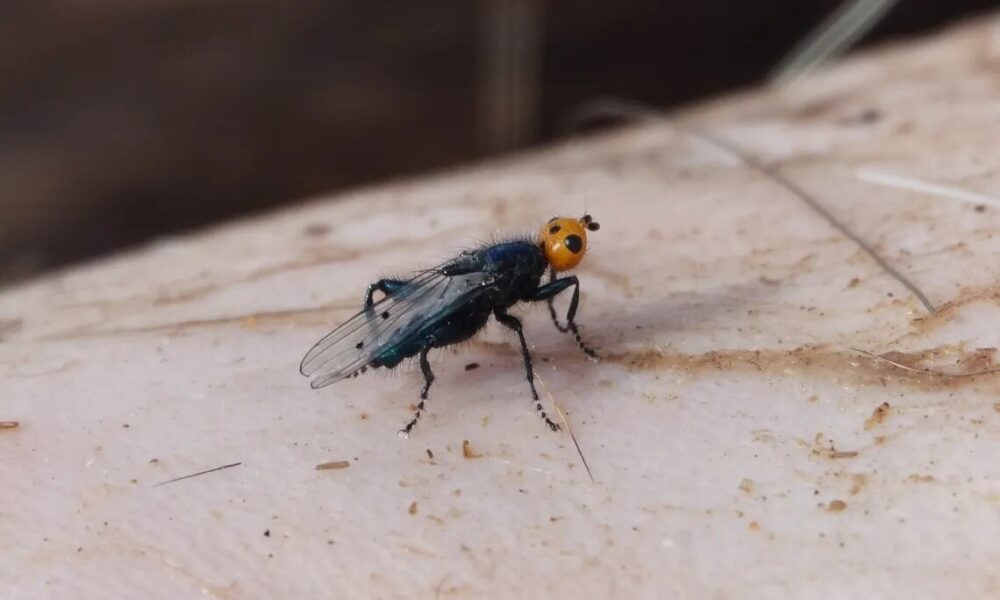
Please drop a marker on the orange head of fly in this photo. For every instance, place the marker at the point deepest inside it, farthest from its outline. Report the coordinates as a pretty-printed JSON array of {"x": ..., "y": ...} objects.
[{"x": 564, "y": 240}]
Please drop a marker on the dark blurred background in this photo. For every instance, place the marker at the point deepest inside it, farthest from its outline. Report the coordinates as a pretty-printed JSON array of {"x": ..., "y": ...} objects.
[{"x": 121, "y": 120}]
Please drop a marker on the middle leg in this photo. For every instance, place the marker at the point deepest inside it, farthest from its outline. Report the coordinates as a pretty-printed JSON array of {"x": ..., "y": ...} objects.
[{"x": 514, "y": 323}]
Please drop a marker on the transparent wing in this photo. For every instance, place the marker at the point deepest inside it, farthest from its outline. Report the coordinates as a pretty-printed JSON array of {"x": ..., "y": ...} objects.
[{"x": 352, "y": 346}]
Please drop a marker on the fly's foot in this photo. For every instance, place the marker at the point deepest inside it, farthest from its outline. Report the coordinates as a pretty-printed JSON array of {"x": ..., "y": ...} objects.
[
  {"x": 405, "y": 431},
  {"x": 545, "y": 417},
  {"x": 592, "y": 354}
]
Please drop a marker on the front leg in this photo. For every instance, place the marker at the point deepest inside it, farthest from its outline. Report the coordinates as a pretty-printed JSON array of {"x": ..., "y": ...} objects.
[
  {"x": 552, "y": 305},
  {"x": 514, "y": 323},
  {"x": 386, "y": 286},
  {"x": 549, "y": 291}
]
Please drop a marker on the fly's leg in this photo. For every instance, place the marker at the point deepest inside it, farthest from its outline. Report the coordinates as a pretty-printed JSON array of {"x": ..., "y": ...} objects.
[
  {"x": 386, "y": 286},
  {"x": 549, "y": 291},
  {"x": 425, "y": 368},
  {"x": 552, "y": 306},
  {"x": 514, "y": 323}
]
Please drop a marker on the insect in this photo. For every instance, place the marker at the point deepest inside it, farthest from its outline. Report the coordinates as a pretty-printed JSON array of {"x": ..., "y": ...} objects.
[{"x": 450, "y": 303}]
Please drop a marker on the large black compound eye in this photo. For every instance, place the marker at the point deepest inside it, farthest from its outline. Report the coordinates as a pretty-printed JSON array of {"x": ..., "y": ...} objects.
[{"x": 573, "y": 243}]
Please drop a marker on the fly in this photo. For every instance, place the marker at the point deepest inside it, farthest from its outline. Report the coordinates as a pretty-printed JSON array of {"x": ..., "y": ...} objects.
[{"x": 450, "y": 303}]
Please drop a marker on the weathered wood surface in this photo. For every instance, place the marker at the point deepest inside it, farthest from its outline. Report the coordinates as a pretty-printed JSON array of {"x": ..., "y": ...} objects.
[{"x": 736, "y": 438}]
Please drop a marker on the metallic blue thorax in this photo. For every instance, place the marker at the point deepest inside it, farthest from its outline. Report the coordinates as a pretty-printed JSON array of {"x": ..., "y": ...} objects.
[{"x": 515, "y": 269}]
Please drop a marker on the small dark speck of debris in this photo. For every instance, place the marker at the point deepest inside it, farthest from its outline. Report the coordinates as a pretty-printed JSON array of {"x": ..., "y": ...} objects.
[
  {"x": 472, "y": 366},
  {"x": 267, "y": 533},
  {"x": 153, "y": 461},
  {"x": 413, "y": 509},
  {"x": 316, "y": 229},
  {"x": 980, "y": 208},
  {"x": 125, "y": 426},
  {"x": 336, "y": 464},
  {"x": 836, "y": 506},
  {"x": 430, "y": 454},
  {"x": 854, "y": 282},
  {"x": 9, "y": 424},
  {"x": 869, "y": 116}
]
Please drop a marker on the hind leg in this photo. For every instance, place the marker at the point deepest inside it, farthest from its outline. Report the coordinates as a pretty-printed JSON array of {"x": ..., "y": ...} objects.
[
  {"x": 425, "y": 368},
  {"x": 386, "y": 286}
]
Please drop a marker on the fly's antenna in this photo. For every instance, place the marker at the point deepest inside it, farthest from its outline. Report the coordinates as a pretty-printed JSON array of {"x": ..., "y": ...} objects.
[{"x": 589, "y": 222}]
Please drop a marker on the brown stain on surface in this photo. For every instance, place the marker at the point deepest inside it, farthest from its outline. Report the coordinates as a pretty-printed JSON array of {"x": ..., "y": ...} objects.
[
  {"x": 878, "y": 415},
  {"x": 859, "y": 481},
  {"x": 821, "y": 446},
  {"x": 947, "y": 311},
  {"x": 337, "y": 464},
  {"x": 843, "y": 366},
  {"x": 468, "y": 452}
]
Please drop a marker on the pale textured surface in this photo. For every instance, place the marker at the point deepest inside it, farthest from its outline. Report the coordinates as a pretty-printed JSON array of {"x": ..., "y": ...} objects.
[{"x": 728, "y": 429}]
